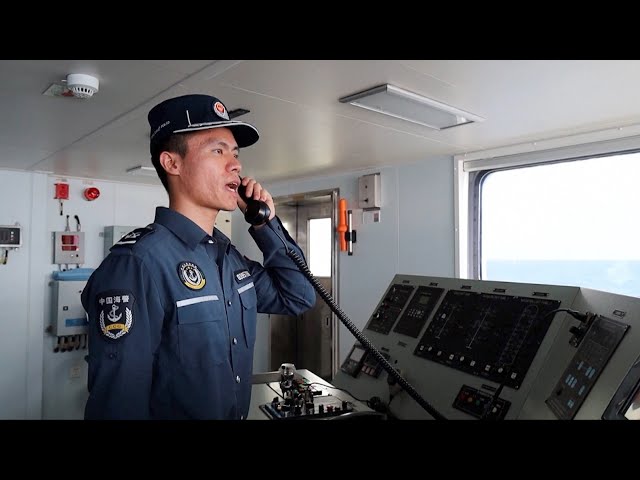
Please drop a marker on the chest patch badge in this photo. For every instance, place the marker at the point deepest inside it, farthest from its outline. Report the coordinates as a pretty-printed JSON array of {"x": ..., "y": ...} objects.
[
  {"x": 116, "y": 313},
  {"x": 241, "y": 275},
  {"x": 191, "y": 276}
]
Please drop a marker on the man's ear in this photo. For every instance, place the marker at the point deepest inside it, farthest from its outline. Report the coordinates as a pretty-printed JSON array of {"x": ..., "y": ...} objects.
[{"x": 171, "y": 163}]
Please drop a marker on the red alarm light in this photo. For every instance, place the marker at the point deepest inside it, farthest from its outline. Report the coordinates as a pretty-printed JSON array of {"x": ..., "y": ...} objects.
[{"x": 91, "y": 193}]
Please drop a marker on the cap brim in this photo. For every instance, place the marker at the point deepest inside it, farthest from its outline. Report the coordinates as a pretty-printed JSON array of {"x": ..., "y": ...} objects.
[{"x": 244, "y": 133}]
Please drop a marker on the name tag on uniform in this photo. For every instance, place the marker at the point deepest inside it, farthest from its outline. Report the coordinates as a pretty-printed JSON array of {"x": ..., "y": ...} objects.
[{"x": 241, "y": 275}]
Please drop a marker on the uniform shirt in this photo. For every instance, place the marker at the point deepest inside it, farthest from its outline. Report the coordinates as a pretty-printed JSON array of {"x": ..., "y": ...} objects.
[{"x": 172, "y": 320}]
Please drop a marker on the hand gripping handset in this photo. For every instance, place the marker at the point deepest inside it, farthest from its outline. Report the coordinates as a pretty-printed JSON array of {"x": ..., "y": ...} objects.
[{"x": 257, "y": 212}]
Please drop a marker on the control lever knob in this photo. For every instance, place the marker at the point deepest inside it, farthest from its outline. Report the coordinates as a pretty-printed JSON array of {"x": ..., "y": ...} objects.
[{"x": 576, "y": 331}]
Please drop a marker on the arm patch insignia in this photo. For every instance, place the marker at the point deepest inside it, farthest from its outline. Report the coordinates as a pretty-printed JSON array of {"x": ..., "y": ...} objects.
[{"x": 115, "y": 313}]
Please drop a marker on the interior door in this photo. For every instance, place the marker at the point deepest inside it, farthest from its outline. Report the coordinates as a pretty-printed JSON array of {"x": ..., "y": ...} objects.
[{"x": 309, "y": 340}]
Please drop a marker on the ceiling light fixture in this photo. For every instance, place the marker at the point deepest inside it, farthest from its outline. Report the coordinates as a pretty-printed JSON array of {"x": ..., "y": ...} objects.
[
  {"x": 412, "y": 107},
  {"x": 142, "y": 170}
]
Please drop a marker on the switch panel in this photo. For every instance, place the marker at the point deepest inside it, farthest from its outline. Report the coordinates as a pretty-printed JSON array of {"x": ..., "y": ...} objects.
[
  {"x": 589, "y": 361},
  {"x": 369, "y": 192},
  {"x": 480, "y": 405}
]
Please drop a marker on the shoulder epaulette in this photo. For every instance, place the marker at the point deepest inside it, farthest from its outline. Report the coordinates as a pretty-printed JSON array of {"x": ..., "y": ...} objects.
[{"x": 134, "y": 236}]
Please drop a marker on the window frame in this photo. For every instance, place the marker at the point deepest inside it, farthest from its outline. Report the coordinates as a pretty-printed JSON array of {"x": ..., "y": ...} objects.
[{"x": 471, "y": 169}]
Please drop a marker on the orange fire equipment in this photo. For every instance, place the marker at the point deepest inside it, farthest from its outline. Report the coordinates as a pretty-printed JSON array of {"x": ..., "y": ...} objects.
[{"x": 342, "y": 224}]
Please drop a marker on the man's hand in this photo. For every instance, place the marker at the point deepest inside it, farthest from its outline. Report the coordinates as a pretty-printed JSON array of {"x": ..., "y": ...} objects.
[{"x": 255, "y": 191}]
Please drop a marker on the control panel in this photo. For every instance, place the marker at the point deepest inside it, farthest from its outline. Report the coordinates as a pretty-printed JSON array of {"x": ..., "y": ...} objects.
[
  {"x": 480, "y": 404},
  {"x": 418, "y": 310},
  {"x": 625, "y": 404},
  {"x": 586, "y": 366},
  {"x": 10, "y": 236},
  {"x": 359, "y": 360},
  {"x": 315, "y": 407},
  {"x": 302, "y": 395},
  {"x": 390, "y": 307},
  {"x": 490, "y": 350},
  {"x": 486, "y": 334},
  {"x": 68, "y": 248}
]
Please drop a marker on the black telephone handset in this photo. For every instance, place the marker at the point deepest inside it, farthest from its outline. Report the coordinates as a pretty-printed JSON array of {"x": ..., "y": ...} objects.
[{"x": 257, "y": 212}]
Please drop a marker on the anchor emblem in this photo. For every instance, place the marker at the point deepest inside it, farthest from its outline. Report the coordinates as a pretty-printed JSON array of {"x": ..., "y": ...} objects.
[{"x": 112, "y": 314}]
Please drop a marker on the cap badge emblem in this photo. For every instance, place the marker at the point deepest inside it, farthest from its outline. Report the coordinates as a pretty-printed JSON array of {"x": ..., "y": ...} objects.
[{"x": 218, "y": 107}]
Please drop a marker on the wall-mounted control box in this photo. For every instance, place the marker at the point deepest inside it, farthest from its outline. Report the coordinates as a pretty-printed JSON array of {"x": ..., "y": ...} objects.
[
  {"x": 69, "y": 317},
  {"x": 10, "y": 236},
  {"x": 369, "y": 192},
  {"x": 68, "y": 248}
]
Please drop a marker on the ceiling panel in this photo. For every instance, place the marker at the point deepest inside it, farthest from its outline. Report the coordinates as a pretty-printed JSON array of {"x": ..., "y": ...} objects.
[
  {"x": 13, "y": 157},
  {"x": 309, "y": 140},
  {"x": 304, "y": 129},
  {"x": 524, "y": 100},
  {"x": 54, "y": 123},
  {"x": 185, "y": 67}
]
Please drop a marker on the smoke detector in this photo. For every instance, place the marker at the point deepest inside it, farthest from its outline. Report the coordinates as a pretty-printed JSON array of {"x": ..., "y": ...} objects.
[{"x": 81, "y": 85}]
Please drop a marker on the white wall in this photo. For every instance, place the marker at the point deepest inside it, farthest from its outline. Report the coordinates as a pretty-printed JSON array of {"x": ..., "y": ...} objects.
[
  {"x": 35, "y": 382},
  {"x": 16, "y": 206},
  {"x": 118, "y": 204},
  {"x": 415, "y": 236}
]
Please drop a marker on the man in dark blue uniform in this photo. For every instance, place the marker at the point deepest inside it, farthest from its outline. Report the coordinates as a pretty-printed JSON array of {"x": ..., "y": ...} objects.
[{"x": 172, "y": 309}]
